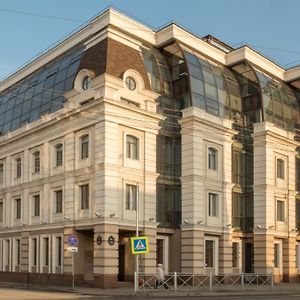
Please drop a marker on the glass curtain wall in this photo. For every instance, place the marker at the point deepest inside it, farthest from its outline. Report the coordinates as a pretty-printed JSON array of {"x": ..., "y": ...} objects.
[
  {"x": 40, "y": 93},
  {"x": 168, "y": 77}
]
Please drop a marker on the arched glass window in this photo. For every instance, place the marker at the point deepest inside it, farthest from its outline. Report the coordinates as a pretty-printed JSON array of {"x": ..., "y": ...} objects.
[
  {"x": 132, "y": 147},
  {"x": 280, "y": 168},
  {"x": 212, "y": 158},
  {"x": 86, "y": 82},
  {"x": 84, "y": 146},
  {"x": 59, "y": 154},
  {"x": 37, "y": 161}
]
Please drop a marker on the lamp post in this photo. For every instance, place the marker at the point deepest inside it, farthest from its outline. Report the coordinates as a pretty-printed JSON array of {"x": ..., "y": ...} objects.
[{"x": 137, "y": 229}]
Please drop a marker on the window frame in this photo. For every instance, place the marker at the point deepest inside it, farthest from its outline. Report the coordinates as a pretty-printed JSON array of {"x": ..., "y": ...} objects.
[
  {"x": 18, "y": 208},
  {"x": 84, "y": 192},
  {"x": 280, "y": 210},
  {"x": 36, "y": 201},
  {"x": 84, "y": 146},
  {"x": 18, "y": 165},
  {"x": 130, "y": 197},
  {"x": 59, "y": 152},
  {"x": 132, "y": 147},
  {"x": 56, "y": 201},
  {"x": 280, "y": 168},
  {"x": 212, "y": 158},
  {"x": 213, "y": 204},
  {"x": 36, "y": 162}
]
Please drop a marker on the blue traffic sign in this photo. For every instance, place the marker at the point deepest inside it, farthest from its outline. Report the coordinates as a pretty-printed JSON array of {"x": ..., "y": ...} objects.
[
  {"x": 72, "y": 240},
  {"x": 139, "y": 245}
]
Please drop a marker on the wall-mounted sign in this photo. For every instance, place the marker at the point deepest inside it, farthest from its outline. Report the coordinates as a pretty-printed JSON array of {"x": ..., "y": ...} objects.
[
  {"x": 72, "y": 240},
  {"x": 99, "y": 240},
  {"x": 111, "y": 240}
]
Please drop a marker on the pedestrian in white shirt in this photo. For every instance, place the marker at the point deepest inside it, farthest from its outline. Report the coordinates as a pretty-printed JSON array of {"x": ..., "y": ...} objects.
[{"x": 160, "y": 277}]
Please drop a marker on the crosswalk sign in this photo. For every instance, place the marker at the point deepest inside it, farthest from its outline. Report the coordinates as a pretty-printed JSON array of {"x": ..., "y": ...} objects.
[{"x": 139, "y": 245}]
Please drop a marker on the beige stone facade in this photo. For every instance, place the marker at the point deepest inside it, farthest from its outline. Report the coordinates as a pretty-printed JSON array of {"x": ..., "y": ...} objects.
[{"x": 203, "y": 137}]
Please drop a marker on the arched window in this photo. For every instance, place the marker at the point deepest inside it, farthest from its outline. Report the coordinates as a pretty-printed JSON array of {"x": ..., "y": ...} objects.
[
  {"x": 59, "y": 155},
  {"x": 36, "y": 161},
  {"x": 132, "y": 147},
  {"x": 84, "y": 141},
  {"x": 212, "y": 158},
  {"x": 280, "y": 168}
]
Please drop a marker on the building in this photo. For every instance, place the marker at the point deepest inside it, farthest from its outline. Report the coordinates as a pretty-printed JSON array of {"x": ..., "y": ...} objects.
[{"x": 204, "y": 137}]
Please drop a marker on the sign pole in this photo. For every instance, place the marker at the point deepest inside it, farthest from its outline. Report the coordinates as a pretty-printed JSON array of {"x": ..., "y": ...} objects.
[
  {"x": 73, "y": 275},
  {"x": 137, "y": 231}
]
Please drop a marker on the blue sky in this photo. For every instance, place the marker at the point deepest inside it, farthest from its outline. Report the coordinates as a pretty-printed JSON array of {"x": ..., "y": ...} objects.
[{"x": 270, "y": 26}]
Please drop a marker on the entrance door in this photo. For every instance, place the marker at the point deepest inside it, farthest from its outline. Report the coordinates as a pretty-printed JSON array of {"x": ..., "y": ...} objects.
[
  {"x": 121, "y": 272},
  {"x": 211, "y": 248},
  {"x": 88, "y": 265},
  {"x": 249, "y": 258},
  {"x": 162, "y": 251}
]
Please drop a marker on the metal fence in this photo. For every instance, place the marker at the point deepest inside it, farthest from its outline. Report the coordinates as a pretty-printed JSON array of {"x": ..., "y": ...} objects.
[{"x": 145, "y": 282}]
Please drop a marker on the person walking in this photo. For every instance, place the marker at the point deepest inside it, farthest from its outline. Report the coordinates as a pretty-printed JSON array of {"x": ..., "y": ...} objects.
[{"x": 160, "y": 277}]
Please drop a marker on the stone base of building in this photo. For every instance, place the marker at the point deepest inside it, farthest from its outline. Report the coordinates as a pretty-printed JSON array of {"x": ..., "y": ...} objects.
[
  {"x": 105, "y": 281},
  {"x": 40, "y": 278},
  {"x": 291, "y": 278}
]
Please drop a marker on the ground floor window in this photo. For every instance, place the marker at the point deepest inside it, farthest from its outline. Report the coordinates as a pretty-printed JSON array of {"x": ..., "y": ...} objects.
[
  {"x": 211, "y": 253},
  {"x": 277, "y": 254}
]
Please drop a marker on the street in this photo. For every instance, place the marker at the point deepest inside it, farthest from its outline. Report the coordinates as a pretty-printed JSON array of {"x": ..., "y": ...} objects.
[{"x": 18, "y": 294}]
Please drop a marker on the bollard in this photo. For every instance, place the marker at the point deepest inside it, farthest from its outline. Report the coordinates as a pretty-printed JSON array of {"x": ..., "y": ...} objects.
[
  {"x": 136, "y": 282},
  {"x": 210, "y": 282},
  {"x": 175, "y": 282},
  {"x": 243, "y": 282}
]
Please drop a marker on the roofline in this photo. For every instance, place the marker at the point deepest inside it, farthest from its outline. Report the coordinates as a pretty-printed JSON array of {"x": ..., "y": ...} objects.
[{"x": 157, "y": 37}]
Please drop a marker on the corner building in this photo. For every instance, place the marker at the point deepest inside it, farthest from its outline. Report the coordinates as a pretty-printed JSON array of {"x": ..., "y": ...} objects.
[{"x": 201, "y": 137}]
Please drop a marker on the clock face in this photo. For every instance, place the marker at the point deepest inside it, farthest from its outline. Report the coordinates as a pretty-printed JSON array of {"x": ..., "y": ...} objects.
[{"x": 130, "y": 83}]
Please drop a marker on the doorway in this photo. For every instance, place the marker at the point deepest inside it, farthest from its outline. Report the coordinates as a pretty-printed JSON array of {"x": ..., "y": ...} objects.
[
  {"x": 121, "y": 273},
  {"x": 249, "y": 258}
]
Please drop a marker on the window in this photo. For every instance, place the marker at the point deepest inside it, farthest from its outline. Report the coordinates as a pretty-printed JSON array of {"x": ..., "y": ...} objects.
[
  {"x": 280, "y": 168},
  {"x": 131, "y": 197},
  {"x": 18, "y": 167},
  {"x": 18, "y": 208},
  {"x": 34, "y": 251},
  {"x": 1, "y": 211},
  {"x": 130, "y": 83},
  {"x": 237, "y": 167},
  {"x": 84, "y": 146},
  {"x": 18, "y": 252},
  {"x": 84, "y": 196},
  {"x": 36, "y": 205},
  {"x": 86, "y": 82},
  {"x": 277, "y": 255},
  {"x": 235, "y": 255},
  {"x": 212, "y": 158},
  {"x": 58, "y": 201},
  {"x": 238, "y": 210},
  {"x": 280, "y": 211},
  {"x": 58, "y": 155},
  {"x": 36, "y": 161},
  {"x": 209, "y": 253},
  {"x": 1, "y": 173},
  {"x": 46, "y": 251},
  {"x": 212, "y": 205},
  {"x": 132, "y": 147},
  {"x": 58, "y": 251}
]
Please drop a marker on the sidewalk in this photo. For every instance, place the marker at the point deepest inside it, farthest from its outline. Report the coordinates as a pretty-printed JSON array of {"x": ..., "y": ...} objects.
[{"x": 126, "y": 289}]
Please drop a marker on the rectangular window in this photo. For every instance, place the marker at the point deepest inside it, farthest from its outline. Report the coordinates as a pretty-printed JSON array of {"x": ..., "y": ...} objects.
[
  {"x": 212, "y": 205},
  {"x": 237, "y": 167},
  {"x": 238, "y": 210},
  {"x": 58, "y": 202},
  {"x": 34, "y": 251},
  {"x": 277, "y": 255},
  {"x": 280, "y": 211},
  {"x": 18, "y": 252},
  {"x": 36, "y": 205},
  {"x": 84, "y": 196},
  {"x": 46, "y": 251},
  {"x": 18, "y": 208},
  {"x": 1, "y": 211},
  {"x": 131, "y": 197},
  {"x": 18, "y": 167},
  {"x": 209, "y": 253},
  {"x": 235, "y": 255},
  {"x": 280, "y": 168},
  {"x": 1, "y": 173},
  {"x": 58, "y": 251},
  {"x": 6, "y": 258}
]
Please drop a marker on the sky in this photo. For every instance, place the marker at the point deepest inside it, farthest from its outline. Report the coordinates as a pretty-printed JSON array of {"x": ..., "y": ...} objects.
[{"x": 29, "y": 27}]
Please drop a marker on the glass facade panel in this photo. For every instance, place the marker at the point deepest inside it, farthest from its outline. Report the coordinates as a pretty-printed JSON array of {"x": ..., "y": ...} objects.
[{"x": 37, "y": 91}]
